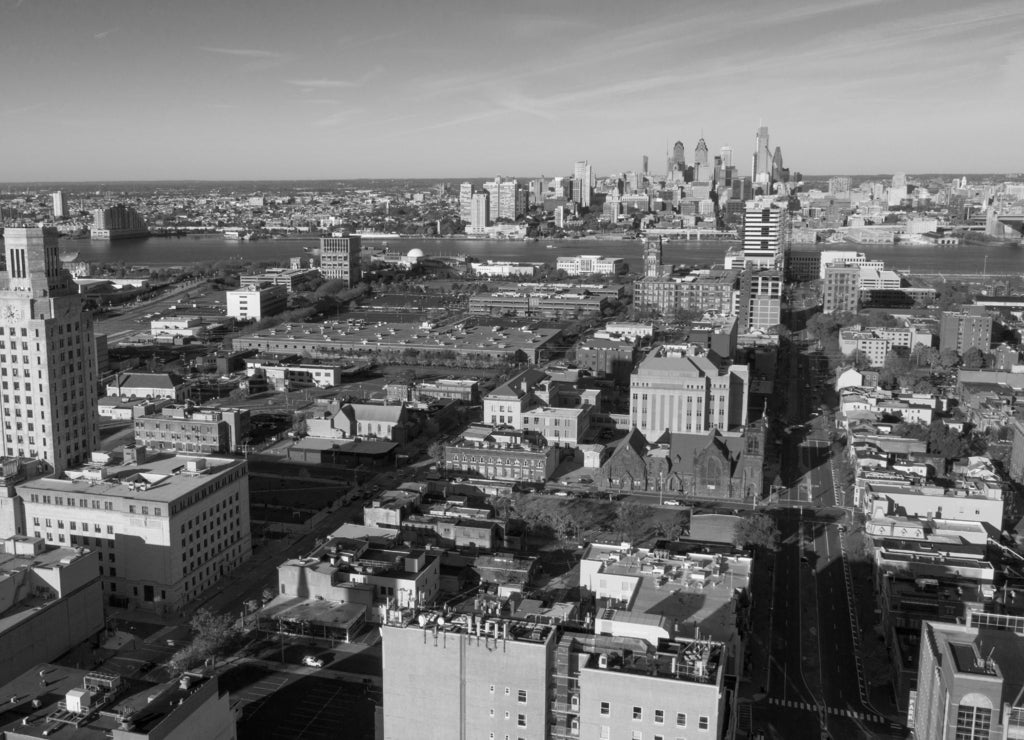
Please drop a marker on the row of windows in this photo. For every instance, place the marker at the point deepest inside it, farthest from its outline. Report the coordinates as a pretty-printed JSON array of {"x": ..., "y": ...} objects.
[
  {"x": 73, "y": 526},
  {"x": 703, "y": 722}
]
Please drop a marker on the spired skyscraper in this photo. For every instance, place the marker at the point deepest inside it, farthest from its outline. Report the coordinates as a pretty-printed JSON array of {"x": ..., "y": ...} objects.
[{"x": 47, "y": 356}]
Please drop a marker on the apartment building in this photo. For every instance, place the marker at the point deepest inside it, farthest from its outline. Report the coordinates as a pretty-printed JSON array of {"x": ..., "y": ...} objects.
[{"x": 185, "y": 428}]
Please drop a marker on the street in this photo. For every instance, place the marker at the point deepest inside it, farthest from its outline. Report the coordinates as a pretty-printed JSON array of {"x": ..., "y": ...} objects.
[{"x": 805, "y": 653}]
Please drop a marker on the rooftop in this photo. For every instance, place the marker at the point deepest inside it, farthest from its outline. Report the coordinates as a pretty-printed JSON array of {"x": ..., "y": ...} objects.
[
  {"x": 162, "y": 478},
  {"x": 108, "y": 701}
]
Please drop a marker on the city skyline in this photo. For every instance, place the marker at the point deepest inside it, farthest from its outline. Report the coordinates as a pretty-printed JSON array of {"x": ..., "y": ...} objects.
[{"x": 226, "y": 92}]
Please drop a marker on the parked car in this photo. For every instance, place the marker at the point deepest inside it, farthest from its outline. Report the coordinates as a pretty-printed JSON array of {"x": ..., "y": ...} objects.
[{"x": 312, "y": 661}]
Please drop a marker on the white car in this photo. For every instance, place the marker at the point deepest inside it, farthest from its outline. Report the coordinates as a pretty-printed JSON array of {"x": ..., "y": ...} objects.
[
  {"x": 672, "y": 502},
  {"x": 312, "y": 661}
]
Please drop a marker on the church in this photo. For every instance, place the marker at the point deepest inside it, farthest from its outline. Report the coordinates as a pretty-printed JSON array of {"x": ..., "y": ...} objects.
[{"x": 714, "y": 464}]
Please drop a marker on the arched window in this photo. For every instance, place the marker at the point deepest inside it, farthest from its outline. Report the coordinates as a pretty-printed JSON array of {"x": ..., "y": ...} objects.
[{"x": 973, "y": 717}]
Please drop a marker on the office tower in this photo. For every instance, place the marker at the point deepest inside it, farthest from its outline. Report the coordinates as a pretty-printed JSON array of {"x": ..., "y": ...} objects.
[
  {"x": 969, "y": 327},
  {"x": 340, "y": 258},
  {"x": 968, "y": 679},
  {"x": 899, "y": 180},
  {"x": 652, "y": 257},
  {"x": 508, "y": 198},
  {"x": 779, "y": 173},
  {"x": 583, "y": 183},
  {"x": 686, "y": 394},
  {"x": 762, "y": 156},
  {"x": 118, "y": 222},
  {"x": 645, "y": 164},
  {"x": 466, "y": 191},
  {"x": 536, "y": 191},
  {"x": 841, "y": 288},
  {"x": 700, "y": 153},
  {"x": 675, "y": 169},
  {"x": 479, "y": 214},
  {"x": 60, "y": 204},
  {"x": 726, "y": 152},
  {"x": 764, "y": 225},
  {"x": 741, "y": 188},
  {"x": 171, "y": 525},
  {"x": 47, "y": 355}
]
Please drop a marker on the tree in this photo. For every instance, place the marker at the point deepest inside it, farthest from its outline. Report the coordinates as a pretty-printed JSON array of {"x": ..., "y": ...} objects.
[
  {"x": 631, "y": 520},
  {"x": 973, "y": 359},
  {"x": 213, "y": 635},
  {"x": 949, "y": 358},
  {"x": 759, "y": 532},
  {"x": 923, "y": 356},
  {"x": 436, "y": 452}
]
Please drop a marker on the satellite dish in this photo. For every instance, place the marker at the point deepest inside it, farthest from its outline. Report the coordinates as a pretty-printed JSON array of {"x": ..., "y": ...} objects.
[
  {"x": 440, "y": 621},
  {"x": 68, "y": 256}
]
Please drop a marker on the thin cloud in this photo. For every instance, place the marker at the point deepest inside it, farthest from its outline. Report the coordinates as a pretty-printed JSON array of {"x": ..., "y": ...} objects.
[
  {"x": 245, "y": 53},
  {"x": 323, "y": 84},
  {"x": 104, "y": 34},
  {"x": 334, "y": 84}
]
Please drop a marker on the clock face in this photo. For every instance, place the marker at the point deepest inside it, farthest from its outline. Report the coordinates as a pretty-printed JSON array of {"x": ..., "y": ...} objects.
[{"x": 12, "y": 313}]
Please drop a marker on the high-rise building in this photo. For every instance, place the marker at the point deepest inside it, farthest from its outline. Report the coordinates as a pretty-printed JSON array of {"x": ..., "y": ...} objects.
[
  {"x": 677, "y": 393},
  {"x": 118, "y": 222},
  {"x": 764, "y": 227},
  {"x": 969, "y": 327},
  {"x": 583, "y": 183},
  {"x": 700, "y": 153},
  {"x": 760, "y": 299},
  {"x": 726, "y": 153},
  {"x": 645, "y": 164},
  {"x": 340, "y": 258},
  {"x": 841, "y": 288},
  {"x": 60, "y": 204},
  {"x": 652, "y": 257},
  {"x": 779, "y": 172},
  {"x": 479, "y": 212},
  {"x": 675, "y": 167},
  {"x": 761, "y": 170},
  {"x": 49, "y": 360},
  {"x": 466, "y": 191},
  {"x": 968, "y": 679},
  {"x": 508, "y": 198}
]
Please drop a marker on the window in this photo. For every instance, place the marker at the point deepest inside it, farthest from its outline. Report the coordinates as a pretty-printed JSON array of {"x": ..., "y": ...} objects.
[
  {"x": 492, "y": 688},
  {"x": 973, "y": 722},
  {"x": 702, "y": 723},
  {"x": 681, "y": 720},
  {"x": 659, "y": 716},
  {"x": 605, "y": 709},
  {"x": 522, "y": 696},
  {"x": 521, "y": 720},
  {"x": 638, "y": 713},
  {"x": 507, "y": 691}
]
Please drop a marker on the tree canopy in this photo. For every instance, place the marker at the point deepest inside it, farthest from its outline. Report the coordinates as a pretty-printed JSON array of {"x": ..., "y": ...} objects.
[{"x": 758, "y": 531}]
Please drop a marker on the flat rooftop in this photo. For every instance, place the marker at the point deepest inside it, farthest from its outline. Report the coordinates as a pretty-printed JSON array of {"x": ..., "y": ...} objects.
[
  {"x": 162, "y": 478},
  {"x": 518, "y": 630},
  {"x": 149, "y": 704}
]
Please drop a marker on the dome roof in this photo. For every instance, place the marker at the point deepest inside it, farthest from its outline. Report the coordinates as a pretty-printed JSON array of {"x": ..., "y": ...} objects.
[{"x": 416, "y": 253}]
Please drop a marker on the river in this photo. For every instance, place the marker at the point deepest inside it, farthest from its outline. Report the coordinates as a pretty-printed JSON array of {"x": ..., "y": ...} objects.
[{"x": 171, "y": 251}]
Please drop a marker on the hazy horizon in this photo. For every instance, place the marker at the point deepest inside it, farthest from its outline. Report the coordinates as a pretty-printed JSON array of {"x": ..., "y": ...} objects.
[{"x": 122, "y": 91}]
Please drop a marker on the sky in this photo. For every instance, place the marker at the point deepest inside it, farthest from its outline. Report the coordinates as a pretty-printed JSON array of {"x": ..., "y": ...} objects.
[{"x": 321, "y": 89}]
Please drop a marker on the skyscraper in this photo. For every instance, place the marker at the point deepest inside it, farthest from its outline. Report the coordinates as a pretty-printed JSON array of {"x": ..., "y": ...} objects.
[
  {"x": 47, "y": 355},
  {"x": 583, "y": 182},
  {"x": 340, "y": 258},
  {"x": 762, "y": 156},
  {"x": 779, "y": 173},
  {"x": 700, "y": 152},
  {"x": 479, "y": 213},
  {"x": 675, "y": 169},
  {"x": 60, "y": 204},
  {"x": 726, "y": 153},
  {"x": 763, "y": 233},
  {"x": 466, "y": 191},
  {"x": 508, "y": 199}
]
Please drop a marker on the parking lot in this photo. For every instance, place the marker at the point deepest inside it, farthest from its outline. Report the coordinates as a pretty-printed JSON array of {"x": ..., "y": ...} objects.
[{"x": 284, "y": 705}]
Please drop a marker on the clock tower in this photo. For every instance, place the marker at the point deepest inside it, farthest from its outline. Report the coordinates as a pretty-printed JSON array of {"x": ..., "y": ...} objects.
[{"x": 48, "y": 389}]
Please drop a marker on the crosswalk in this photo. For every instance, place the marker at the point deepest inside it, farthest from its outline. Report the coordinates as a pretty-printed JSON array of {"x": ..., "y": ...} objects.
[{"x": 835, "y": 711}]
